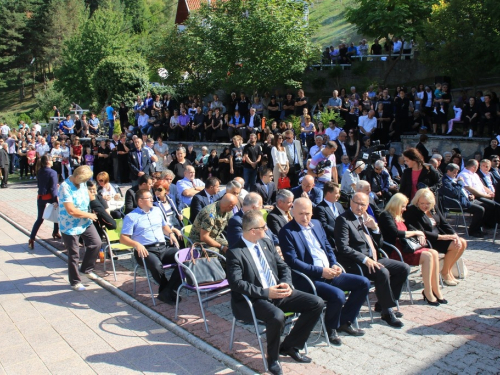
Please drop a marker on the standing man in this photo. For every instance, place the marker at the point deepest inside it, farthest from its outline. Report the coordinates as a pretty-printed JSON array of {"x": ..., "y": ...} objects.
[
  {"x": 4, "y": 163},
  {"x": 357, "y": 237},
  {"x": 93, "y": 124},
  {"x": 323, "y": 165},
  {"x": 255, "y": 270},
  {"x": 254, "y": 123},
  {"x": 293, "y": 150},
  {"x": 251, "y": 159},
  {"x": 111, "y": 119},
  {"x": 306, "y": 249},
  {"x": 139, "y": 162},
  {"x": 145, "y": 229}
]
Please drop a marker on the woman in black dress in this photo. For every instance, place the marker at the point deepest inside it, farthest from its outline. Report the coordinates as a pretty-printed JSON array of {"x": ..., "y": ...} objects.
[
  {"x": 123, "y": 116},
  {"x": 424, "y": 215},
  {"x": 224, "y": 166},
  {"x": 352, "y": 144},
  {"x": 471, "y": 116},
  {"x": 102, "y": 164}
]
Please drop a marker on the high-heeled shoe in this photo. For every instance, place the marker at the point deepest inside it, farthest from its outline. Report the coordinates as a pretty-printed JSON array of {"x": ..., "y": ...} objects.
[
  {"x": 56, "y": 236},
  {"x": 441, "y": 301},
  {"x": 436, "y": 303},
  {"x": 31, "y": 244}
]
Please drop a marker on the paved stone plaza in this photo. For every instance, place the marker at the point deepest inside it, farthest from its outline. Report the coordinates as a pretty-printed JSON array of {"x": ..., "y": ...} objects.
[{"x": 47, "y": 328}]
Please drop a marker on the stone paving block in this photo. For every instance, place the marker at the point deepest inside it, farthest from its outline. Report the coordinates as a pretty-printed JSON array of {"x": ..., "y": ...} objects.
[
  {"x": 34, "y": 366},
  {"x": 14, "y": 354}
]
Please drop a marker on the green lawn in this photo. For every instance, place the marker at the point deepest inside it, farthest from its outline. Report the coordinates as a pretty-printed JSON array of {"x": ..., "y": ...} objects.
[
  {"x": 10, "y": 104},
  {"x": 328, "y": 15}
]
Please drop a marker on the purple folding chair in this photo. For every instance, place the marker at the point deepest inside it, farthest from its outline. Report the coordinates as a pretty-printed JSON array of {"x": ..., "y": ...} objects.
[{"x": 216, "y": 290}]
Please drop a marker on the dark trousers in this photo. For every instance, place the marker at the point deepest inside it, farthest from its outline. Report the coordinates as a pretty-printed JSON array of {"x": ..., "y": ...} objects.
[
  {"x": 339, "y": 310},
  {"x": 12, "y": 159},
  {"x": 478, "y": 212},
  {"x": 159, "y": 256},
  {"x": 293, "y": 175},
  {"x": 5, "y": 175},
  {"x": 250, "y": 177},
  {"x": 116, "y": 170},
  {"x": 39, "y": 220},
  {"x": 388, "y": 280},
  {"x": 272, "y": 313},
  {"x": 92, "y": 243},
  {"x": 23, "y": 166},
  {"x": 491, "y": 211}
]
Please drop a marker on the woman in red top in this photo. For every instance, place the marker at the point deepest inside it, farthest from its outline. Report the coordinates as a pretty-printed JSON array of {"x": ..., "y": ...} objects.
[
  {"x": 393, "y": 230},
  {"x": 76, "y": 151}
]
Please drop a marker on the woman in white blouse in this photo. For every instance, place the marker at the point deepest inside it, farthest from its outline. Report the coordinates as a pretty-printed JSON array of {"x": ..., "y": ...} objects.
[
  {"x": 280, "y": 160},
  {"x": 65, "y": 153},
  {"x": 161, "y": 150}
]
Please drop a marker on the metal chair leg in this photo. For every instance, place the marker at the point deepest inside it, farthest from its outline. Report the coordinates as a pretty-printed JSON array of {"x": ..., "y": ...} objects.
[
  {"x": 149, "y": 281},
  {"x": 231, "y": 339},
  {"x": 369, "y": 308},
  {"x": 409, "y": 290},
  {"x": 495, "y": 234},
  {"x": 135, "y": 277}
]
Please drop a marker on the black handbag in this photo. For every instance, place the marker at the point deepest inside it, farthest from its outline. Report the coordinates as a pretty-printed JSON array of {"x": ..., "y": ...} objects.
[
  {"x": 206, "y": 270},
  {"x": 410, "y": 245}
]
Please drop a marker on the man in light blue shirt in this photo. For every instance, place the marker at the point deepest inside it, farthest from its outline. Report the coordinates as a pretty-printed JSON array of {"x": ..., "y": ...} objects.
[
  {"x": 334, "y": 103},
  {"x": 189, "y": 186},
  {"x": 111, "y": 119},
  {"x": 145, "y": 229}
]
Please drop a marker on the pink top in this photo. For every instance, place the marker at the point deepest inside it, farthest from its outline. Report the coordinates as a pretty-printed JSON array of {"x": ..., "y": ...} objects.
[{"x": 414, "y": 181}]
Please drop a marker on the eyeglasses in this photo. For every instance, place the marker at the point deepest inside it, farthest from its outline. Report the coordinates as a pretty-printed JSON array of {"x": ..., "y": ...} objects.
[
  {"x": 261, "y": 228},
  {"x": 147, "y": 198},
  {"x": 358, "y": 203}
]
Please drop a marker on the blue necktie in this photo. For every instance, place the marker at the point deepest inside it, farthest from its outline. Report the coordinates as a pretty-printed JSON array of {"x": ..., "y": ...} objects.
[{"x": 265, "y": 267}]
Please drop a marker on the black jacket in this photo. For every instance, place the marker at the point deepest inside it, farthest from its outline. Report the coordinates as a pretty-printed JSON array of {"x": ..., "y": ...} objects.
[{"x": 429, "y": 176}]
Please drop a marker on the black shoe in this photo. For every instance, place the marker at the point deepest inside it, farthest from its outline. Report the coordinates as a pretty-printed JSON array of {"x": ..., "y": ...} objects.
[
  {"x": 435, "y": 303},
  {"x": 392, "y": 320},
  {"x": 334, "y": 338},
  {"x": 378, "y": 309},
  {"x": 296, "y": 356},
  {"x": 168, "y": 298},
  {"x": 441, "y": 301},
  {"x": 350, "y": 330},
  {"x": 275, "y": 368}
]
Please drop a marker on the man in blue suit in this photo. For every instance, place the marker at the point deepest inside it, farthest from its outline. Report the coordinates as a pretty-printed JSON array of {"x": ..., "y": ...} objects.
[
  {"x": 453, "y": 188},
  {"x": 205, "y": 197},
  {"x": 234, "y": 230},
  {"x": 306, "y": 249},
  {"x": 306, "y": 189}
]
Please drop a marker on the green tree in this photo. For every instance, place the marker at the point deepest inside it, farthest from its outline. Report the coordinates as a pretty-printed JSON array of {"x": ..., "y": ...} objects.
[
  {"x": 101, "y": 36},
  {"x": 383, "y": 18},
  {"x": 120, "y": 78},
  {"x": 240, "y": 43},
  {"x": 461, "y": 36}
]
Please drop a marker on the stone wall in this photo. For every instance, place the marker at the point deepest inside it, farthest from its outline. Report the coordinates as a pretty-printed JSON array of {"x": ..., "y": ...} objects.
[{"x": 468, "y": 146}]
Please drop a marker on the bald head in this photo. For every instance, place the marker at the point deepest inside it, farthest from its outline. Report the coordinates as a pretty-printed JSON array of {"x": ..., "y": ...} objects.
[
  {"x": 240, "y": 180},
  {"x": 252, "y": 201},
  {"x": 302, "y": 211},
  {"x": 228, "y": 202},
  {"x": 307, "y": 183}
]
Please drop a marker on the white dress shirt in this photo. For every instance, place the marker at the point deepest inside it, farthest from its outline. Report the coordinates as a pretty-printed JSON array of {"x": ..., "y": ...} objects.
[
  {"x": 472, "y": 180},
  {"x": 255, "y": 258},
  {"x": 318, "y": 254}
]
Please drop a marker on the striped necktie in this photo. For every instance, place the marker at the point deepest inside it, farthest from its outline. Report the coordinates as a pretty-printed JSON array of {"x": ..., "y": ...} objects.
[{"x": 265, "y": 267}]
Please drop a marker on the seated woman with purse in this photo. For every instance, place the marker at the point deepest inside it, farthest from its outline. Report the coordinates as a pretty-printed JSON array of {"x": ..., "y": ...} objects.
[
  {"x": 412, "y": 244},
  {"x": 424, "y": 216}
]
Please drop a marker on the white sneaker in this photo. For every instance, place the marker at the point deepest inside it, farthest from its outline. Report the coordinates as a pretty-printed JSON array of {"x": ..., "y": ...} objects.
[
  {"x": 441, "y": 110},
  {"x": 435, "y": 111},
  {"x": 78, "y": 287}
]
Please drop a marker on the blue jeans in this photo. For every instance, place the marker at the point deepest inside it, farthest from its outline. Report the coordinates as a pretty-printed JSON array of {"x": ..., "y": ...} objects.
[
  {"x": 250, "y": 177},
  {"x": 111, "y": 128}
]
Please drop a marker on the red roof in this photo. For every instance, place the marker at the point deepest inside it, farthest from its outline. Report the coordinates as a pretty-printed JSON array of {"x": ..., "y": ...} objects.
[{"x": 186, "y": 6}]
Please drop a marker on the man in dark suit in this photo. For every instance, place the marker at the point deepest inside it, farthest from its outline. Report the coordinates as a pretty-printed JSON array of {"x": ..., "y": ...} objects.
[
  {"x": 253, "y": 125},
  {"x": 489, "y": 179},
  {"x": 358, "y": 239},
  {"x": 255, "y": 270},
  {"x": 265, "y": 187},
  {"x": 295, "y": 157},
  {"x": 306, "y": 189},
  {"x": 234, "y": 231},
  {"x": 454, "y": 189},
  {"x": 373, "y": 209},
  {"x": 341, "y": 150},
  {"x": 329, "y": 209},
  {"x": 306, "y": 249},
  {"x": 139, "y": 162},
  {"x": 205, "y": 197},
  {"x": 145, "y": 182},
  {"x": 280, "y": 215}
]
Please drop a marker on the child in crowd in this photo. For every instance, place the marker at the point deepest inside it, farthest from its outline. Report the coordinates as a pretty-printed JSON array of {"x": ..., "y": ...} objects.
[
  {"x": 438, "y": 94},
  {"x": 89, "y": 158}
]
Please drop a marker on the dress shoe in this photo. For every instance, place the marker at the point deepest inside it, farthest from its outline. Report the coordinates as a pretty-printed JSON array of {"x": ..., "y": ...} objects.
[
  {"x": 333, "y": 337},
  {"x": 350, "y": 330},
  {"x": 441, "y": 301},
  {"x": 392, "y": 320},
  {"x": 31, "y": 244},
  {"x": 275, "y": 368},
  {"x": 296, "y": 356},
  {"x": 435, "y": 303},
  {"x": 378, "y": 309},
  {"x": 450, "y": 282}
]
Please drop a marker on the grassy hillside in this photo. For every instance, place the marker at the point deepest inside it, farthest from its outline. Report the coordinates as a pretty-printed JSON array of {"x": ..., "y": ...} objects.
[
  {"x": 328, "y": 15},
  {"x": 10, "y": 105}
]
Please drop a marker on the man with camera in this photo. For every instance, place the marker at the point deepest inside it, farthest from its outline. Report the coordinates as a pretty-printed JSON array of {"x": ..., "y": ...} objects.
[{"x": 323, "y": 165}]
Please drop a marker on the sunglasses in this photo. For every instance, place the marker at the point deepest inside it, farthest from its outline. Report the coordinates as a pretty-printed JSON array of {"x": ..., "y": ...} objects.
[{"x": 159, "y": 190}]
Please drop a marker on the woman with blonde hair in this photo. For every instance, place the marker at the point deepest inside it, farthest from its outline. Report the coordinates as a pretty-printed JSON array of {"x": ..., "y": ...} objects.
[
  {"x": 75, "y": 221},
  {"x": 424, "y": 215},
  {"x": 394, "y": 230}
]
